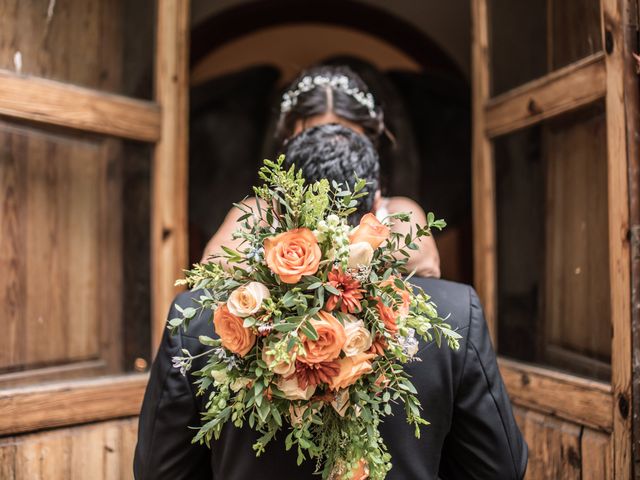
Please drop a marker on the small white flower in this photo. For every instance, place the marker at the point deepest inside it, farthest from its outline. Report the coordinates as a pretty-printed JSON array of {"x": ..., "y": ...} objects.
[{"x": 333, "y": 220}]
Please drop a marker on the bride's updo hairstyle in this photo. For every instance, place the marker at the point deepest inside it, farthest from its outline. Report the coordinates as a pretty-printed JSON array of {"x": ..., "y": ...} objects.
[{"x": 329, "y": 89}]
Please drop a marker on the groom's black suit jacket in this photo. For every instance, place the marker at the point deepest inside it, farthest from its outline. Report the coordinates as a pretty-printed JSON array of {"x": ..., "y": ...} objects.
[{"x": 472, "y": 434}]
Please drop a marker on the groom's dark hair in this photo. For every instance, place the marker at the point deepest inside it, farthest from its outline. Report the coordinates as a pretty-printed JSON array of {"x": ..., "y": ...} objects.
[{"x": 339, "y": 154}]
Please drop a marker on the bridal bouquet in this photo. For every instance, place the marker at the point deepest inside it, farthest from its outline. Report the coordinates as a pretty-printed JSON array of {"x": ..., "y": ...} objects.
[{"x": 315, "y": 323}]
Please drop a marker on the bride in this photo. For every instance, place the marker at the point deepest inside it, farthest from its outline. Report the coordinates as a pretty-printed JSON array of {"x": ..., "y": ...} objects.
[{"x": 336, "y": 94}]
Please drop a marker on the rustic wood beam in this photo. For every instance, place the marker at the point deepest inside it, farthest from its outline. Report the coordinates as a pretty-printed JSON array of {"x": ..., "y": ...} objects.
[
  {"x": 483, "y": 186},
  {"x": 618, "y": 60},
  {"x": 583, "y": 401},
  {"x": 169, "y": 254},
  {"x": 69, "y": 403},
  {"x": 564, "y": 90},
  {"x": 55, "y": 103}
]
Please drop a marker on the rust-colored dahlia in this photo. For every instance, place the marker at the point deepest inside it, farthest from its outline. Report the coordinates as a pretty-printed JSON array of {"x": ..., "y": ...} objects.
[
  {"x": 378, "y": 346},
  {"x": 350, "y": 292},
  {"x": 315, "y": 373}
]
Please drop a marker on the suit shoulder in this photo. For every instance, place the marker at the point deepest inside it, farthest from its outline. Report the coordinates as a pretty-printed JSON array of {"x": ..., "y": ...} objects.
[
  {"x": 453, "y": 300},
  {"x": 201, "y": 323}
]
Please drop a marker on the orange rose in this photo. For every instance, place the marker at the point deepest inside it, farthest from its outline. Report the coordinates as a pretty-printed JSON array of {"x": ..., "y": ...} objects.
[
  {"x": 331, "y": 339},
  {"x": 233, "y": 335},
  {"x": 371, "y": 231},
  {"x": 293, "y": 254},
  {"x": 351, "y": 369}
]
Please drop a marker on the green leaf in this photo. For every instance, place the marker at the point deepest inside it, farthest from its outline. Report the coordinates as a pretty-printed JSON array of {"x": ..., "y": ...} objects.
[
  {"x": 175, "y": 322},
  {"x": 276, "y": 415},
  {"x": 284, "y": 327},
  {"x": 331, "y": 289},
  {"x": 309, "y": 331}
]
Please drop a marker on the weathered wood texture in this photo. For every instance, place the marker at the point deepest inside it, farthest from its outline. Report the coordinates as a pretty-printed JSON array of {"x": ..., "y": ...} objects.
[
  {"x": 564, "y": 450},
  {"x": 573, "y": 398},
  {"x": 60, "y": 248},
  {"x": 484, "y": 248},
  {"x": 618, "y": 61},
  {"x": 605, "y": 76},
  {"x": 574, "y": 86},
  {"x": 577, "y": 329},
  {"x": 87, "y": 43},
  {"x": 597, "y": 456},
  {"x": 106, "y": 46},
  {"x": 631, "y": 22},
  {"x": 573, "y": 31},
  {"x": 102, "y": 451},
  {"x": 50, "y": 37},
  {"x": 56, "y": 103},
  {"x": 169, "y": 196},
  {"x": 69, "y": 403}
]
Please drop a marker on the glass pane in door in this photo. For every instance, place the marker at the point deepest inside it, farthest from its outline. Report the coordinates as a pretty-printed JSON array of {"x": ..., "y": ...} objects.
[{"x": 553, "y": 269}]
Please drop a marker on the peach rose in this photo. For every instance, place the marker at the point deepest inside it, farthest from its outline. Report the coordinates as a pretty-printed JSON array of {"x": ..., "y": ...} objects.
[
  {"x": 331, "y": 339},
  {"x": 351, "y": 369},
  {"x": 370, "y": 230},
  {"x": 293, "y": 254},
  {"x": 233, "y": 335},
  {"x": 292, "y": 391},
  {"x": 358, "y": 337},
  {"x": 247, "y": 300}
]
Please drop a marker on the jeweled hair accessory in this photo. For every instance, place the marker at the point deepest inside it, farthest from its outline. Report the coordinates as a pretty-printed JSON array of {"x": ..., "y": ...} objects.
[{"x": 337, "y": 82}]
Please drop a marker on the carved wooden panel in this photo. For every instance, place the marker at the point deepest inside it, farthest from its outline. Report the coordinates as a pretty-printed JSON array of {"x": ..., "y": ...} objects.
[
  {"x": 564, "y": 450},
  {"x": 102, "y": 451}
]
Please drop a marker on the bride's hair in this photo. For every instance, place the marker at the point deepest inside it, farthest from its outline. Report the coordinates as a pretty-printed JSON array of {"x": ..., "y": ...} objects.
[{"x": 330, "y": 89}]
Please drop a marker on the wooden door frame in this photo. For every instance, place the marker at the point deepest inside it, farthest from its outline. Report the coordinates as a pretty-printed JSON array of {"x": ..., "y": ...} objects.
[
  {"x": 162, "y": 123},
  {"x": 608, "y": 76}
]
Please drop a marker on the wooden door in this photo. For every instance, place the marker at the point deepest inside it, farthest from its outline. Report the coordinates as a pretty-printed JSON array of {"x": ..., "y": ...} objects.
[
  {"x": 93, "y": 119},
  {"x": 551, "y": 222}
]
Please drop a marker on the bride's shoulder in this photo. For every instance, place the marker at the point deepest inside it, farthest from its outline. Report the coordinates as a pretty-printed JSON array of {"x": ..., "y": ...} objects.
[{"x": 403, "y": 204}]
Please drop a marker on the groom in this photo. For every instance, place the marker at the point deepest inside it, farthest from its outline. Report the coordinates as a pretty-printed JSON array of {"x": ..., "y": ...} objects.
[{"x": 472, "y": 434}]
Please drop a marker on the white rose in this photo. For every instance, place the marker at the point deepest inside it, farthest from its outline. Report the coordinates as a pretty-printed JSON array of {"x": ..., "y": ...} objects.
[
  {"x": 246, "y": 300},
  {"x": 358, "y": 337},
  {"x": 283, "y": 368},
  {"x": 292, "y": 391},
  {"x": 360, "y": 253},
  {"x": 239, "y": 383}
]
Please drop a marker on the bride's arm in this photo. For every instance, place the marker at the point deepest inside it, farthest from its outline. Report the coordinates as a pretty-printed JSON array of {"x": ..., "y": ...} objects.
[
  {"x": 425, "y": 260},
  {"x": 224, "y": 234}
]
